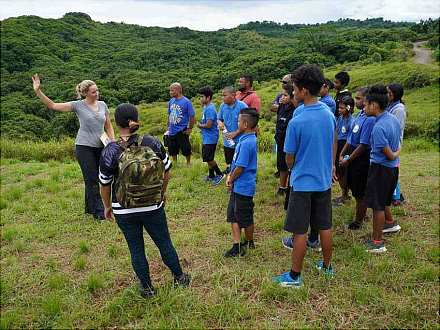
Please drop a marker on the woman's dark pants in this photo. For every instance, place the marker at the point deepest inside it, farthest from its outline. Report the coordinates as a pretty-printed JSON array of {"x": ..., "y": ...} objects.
[
  {"x": 88, "y": 159},
  {"x": 155, "y": 223}
]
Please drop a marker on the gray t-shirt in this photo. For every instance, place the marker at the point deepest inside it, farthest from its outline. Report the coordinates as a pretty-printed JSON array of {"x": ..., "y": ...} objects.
[{"x": 91, "y": 123}]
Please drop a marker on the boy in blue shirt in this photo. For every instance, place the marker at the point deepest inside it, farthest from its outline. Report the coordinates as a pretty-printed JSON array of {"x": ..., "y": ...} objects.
[
  {"x": 208, "y": 126},
  {"x": 342, "y": 79},
  {"x": 384, "y": 158},
  {"x": 180, "y": 123},
  {"x": 228, "y": 123},
  {"x": 325, "y": 96},
  {"x": 355, "y": 157},
  {"x": 343, "y": 124},
  {"x": 309, "y": 148},
  {"x": 241, "y": 182}
]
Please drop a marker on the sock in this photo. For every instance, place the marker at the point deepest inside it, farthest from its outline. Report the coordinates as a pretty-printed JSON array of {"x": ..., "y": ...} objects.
[
  {"x": 377, "y": 241},
  {"x": 294, "y": 275},
  {"x": 325, "y": 266},
  {"x": 217, "y": 170},
  {"x": 211, "y": 173}
]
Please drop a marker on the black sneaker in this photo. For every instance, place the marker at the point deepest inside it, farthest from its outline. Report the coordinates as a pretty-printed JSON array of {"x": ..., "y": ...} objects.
[
  {"x": 183, "y": 280},
  {"x": 281, "y": 191},
  {"x": 354, "y": 225},
  {"x": 147, "y": 292},
  {"x": 247, "y": 244},
  {"x": 235, "y": 252},
  {"x": 390, "y": 228}
]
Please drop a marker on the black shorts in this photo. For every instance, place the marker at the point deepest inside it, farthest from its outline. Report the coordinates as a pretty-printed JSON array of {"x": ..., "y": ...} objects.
[
  {"x": 339, "y": 169},
  {"x": 229, "y": 154},
  {"x": 381, "y": 183},
  {"x": 281, "y": 157},
  {"x": 357, "y": 174},
  {"x": 308, "y": 208},
  {"x": 208, "y": 152},
  {"x": 179, "y": 142},
  {"x": 240, "y": 210}
]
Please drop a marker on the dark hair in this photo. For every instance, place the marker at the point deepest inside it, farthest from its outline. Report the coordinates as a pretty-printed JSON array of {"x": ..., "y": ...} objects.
[
  {"x": 329, "y": 83},
  {"x": 349, "y": 102},
  {"x": 378, "y": 94},
  {"x": 310, "y": 77},
  {"x": 250, "y": 115},
  {"x": 397, "y": 91},
  {"x": 362, "y": 90},
  {"x": 127, "y": 116},
  {"x": 248, "y": 77},
  {"x": 289, "y": 90},
  {"x": 343, "y": 77},
  {"x": 206, "y": 91}
]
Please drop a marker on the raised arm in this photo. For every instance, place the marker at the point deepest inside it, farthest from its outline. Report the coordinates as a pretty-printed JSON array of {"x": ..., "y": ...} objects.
[{"x": 61, "y": 107}]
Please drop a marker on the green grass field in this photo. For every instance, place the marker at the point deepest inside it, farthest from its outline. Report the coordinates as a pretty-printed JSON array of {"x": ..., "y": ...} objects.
[{"x": 60, "y": 268}]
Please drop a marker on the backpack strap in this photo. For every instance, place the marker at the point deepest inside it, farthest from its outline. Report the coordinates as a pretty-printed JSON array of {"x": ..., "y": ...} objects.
[
  {"x": 247, "y": 94},
  {"x": 126, "y": 144}
]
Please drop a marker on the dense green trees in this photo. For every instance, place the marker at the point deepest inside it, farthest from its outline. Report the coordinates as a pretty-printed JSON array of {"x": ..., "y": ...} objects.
[{"x": 136, "y": 64}]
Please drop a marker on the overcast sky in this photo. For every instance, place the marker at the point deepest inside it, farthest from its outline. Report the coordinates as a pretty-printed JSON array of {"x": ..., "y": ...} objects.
[{"x": 211, "y": 15}]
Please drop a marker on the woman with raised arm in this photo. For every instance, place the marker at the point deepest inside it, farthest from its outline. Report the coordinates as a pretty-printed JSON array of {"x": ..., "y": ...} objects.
[{"x": 93, "y": 118}]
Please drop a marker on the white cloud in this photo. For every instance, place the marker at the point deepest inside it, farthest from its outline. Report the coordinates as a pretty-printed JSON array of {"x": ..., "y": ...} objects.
[{"x": 213, "y": 15}]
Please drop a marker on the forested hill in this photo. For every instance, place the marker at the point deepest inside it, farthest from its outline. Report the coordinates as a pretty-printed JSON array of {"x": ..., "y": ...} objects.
[{"x": 134, "y": 63}]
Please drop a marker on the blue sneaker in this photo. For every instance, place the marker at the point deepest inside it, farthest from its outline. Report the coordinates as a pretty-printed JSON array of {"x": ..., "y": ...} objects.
[
  {"x": 287, "y": 242},
  {"x": 217, "y": 179},
  {"x": 373, "y": 247},
  {"x": 327, "y": 271},
  {"x": 208, "y": 179},
  {"x": 286, "y": 281},
  {"x": 314, "y": 245}
]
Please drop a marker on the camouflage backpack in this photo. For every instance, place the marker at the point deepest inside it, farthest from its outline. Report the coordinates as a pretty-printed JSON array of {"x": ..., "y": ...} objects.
[{"x": 140, "y": 176}]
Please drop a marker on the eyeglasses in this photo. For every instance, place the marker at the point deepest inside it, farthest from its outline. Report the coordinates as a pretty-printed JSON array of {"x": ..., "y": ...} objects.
[{"x": 284, "y": 82}]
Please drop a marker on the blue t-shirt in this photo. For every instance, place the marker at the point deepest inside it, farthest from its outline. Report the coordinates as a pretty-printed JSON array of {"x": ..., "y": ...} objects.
[
  {"x": 179, "y": 113},
  {"x": 245, "y": 156},
  {"x": 386, "y": 133},
  {"x": 360, "y": 131},
  {"x": 328, "y": 100},
  {"x": 343, "y": 125},
  {"x": 209, "y": 135},
  {"x": 228, "y": 114},
  {"x": 310, "y": 139}
]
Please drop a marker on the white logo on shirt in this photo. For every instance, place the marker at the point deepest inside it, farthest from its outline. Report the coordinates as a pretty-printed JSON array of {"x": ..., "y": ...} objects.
[
  {"x": 355, "y": 128},
  {"x": 343, "y": 130}
]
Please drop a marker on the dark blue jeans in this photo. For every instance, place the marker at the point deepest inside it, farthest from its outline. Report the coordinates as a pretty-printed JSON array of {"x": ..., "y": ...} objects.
[
  {"x": 88, "y": 159},
  {"x": 155, "y": 223}
]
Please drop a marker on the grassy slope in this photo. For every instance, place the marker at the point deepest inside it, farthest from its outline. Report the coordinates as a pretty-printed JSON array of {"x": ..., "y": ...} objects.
[{"x": 61, "y": 269}]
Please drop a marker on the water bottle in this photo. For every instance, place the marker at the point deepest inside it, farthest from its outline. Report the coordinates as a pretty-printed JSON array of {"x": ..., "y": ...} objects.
[{"x": 228, "y": 142}]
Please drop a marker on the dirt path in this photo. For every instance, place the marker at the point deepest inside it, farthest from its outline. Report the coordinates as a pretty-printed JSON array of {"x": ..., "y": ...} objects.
[{"x": 422, "y": 55}]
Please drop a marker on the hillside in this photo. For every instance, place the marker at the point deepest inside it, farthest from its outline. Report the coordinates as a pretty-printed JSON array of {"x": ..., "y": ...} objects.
[{"x": 137, "y": 64}]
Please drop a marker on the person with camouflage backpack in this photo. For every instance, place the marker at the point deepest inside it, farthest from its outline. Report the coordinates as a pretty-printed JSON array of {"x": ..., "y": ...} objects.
[{"x": 137, "y": 168}]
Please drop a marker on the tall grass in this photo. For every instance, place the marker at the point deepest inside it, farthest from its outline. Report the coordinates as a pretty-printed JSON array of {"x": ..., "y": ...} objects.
[{"x": 38, "y": 151}]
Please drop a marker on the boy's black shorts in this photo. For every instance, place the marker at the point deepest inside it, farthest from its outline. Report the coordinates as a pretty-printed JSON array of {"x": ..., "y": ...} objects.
[
  {"x": 177, "y": 142},
  {"x": 281, "y": 157},
  {"x": 229, "y": 154},
  {"x": 382, "y": 181},
  {"x": 357, "y": 174},
  {"x": 208, "y": 152},
  {"x": 306, "y": 208},
  {"x": 240, "y": 210}
]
